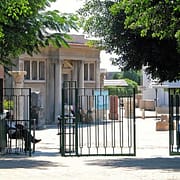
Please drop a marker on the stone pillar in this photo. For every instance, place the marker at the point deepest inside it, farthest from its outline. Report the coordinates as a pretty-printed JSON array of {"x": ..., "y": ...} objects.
[
  {"x": 18, "y": 83},
  {"x": 58, "y": 90},
  {"x": 81, "y": 75},
  {"x": 128, "y": 108},
  {"x": 81, "y": 84},
  {"x": 97, "y": 74},
  {"x": 74, "y": 71}
]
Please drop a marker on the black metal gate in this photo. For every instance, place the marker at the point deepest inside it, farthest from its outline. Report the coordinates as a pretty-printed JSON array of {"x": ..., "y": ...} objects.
[
  {"x": 15, "y": 114},
  {"x": 174, "y": 121},
  {"x": 97, "y": 122}
]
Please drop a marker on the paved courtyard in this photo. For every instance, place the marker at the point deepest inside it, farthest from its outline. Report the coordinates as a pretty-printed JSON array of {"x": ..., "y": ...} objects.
[{"x": 152, "y": 161}]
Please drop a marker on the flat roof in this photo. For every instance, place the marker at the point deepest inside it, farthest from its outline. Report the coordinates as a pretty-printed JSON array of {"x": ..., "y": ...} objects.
[
  {"x": 166, "y": 85},
  {"x": 115, "y": 82}
]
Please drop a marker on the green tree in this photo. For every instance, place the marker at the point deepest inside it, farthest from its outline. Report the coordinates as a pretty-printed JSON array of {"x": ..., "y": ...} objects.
[
  {"x": 133, "y": 75},
  {"x": 133, "y": 49},
  {"x": 118, "y": 75},
  {"x": 155, "y": 18},
  {"x": 27, "y": 25}
]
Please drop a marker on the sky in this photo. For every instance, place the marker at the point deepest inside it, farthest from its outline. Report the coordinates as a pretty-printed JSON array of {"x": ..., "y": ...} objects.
[{"x": 70, "y": 6}]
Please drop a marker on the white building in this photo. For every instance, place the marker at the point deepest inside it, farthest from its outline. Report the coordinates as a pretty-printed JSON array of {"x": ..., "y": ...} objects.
[{"x": 157, "y": 92}]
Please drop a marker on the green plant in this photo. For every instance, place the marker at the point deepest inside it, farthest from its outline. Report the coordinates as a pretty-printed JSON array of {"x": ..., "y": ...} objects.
[{"x": 8, "y": 104}]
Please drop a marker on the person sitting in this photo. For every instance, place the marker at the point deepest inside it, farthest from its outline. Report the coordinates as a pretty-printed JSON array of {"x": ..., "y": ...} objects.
[{"x": 19, "y": 131}]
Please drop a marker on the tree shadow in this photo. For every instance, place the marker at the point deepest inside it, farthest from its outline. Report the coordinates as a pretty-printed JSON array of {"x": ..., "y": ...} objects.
[
  {"x": 26, "y": 163},
  {"x": 172, "y": 164},
  {"x": 23, "y": 161}
]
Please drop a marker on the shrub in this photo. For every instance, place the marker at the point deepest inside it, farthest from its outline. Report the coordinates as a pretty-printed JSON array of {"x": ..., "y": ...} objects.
[{"x": 8, "y": 104}]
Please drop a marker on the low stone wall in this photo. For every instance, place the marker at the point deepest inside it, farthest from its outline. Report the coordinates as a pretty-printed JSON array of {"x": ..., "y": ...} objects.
[
  {"x": 163, "y": 124},
  {"x": 138, "y": 100},
  {"x": 162, "y": 110},
  {"x": 147, "y": 105}
]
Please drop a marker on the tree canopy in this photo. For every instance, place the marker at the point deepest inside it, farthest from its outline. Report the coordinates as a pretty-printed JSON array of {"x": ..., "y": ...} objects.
[
  {"x": 27, "y": 25},
  {"x": 107, "y": 21},
  {"x": 159, "y": 19}
]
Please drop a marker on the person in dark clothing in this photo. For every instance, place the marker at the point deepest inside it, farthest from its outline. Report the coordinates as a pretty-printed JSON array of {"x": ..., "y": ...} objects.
[{"x": 19, "y": 131}]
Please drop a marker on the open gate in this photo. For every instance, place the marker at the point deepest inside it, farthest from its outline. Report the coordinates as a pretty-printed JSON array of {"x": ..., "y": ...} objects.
[
  {"x": 174, "y": 121},
  {"x": 97, "y": 122}
]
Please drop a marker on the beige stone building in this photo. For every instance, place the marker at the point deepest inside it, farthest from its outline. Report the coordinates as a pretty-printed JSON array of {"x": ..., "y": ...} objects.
[{"x": 47, "y": 71}]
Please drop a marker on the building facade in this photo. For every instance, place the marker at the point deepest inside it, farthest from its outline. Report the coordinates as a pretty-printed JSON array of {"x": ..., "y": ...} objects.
[{"x": 46, "y": 72}]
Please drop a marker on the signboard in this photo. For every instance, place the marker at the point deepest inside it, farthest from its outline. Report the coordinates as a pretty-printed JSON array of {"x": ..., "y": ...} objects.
[{"x": 101, "y": 100}]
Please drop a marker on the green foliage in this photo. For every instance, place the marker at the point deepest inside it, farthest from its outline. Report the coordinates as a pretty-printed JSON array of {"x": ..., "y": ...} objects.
[
  {"x": 135, "y": 45},
  {"x": 131, "y": 74},
  {"x": 8, "y": 104},
  {"x": 93, "y": 43},
  {"x": 26, "y": 26},
  {"x": 132, "y": 84},
  {"x": 156, "y": 18},
  {"x": 118, "y": 75},
  {"x": 123, "y": 91}
]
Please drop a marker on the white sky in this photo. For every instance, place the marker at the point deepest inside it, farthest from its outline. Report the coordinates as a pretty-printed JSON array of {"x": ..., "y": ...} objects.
[
  {"x": 70, "y": 6},
  {"x": 67, "y": 5}
]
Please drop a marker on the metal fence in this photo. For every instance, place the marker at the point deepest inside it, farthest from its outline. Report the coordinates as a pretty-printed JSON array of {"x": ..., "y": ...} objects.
[
  {"x": 94, "y": 122},
  {"x": 15, "y": 121},
  {"x": 174, "y": 121}
]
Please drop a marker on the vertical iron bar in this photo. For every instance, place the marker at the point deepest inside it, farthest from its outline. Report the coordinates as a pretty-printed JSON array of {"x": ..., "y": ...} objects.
[
  {"x": 177, "y": 119},
  {"x": 170, "y": 121},
  {"x": 134, "y": 121},
  {"x": 63, "y": 124},
  {"x": 76, "y": 121},
  {"x": 30, "y": 110}
]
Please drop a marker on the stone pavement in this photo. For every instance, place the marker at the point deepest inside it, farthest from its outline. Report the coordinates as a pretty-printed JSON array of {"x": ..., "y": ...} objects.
[{"x": 151, "y": 163}]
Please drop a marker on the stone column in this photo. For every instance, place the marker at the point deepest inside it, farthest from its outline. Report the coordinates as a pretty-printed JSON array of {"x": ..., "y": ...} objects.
[
  {"x": 74, "y": 71},
  {"x": 18, "y": 84},
  {"x": 81, "y": 75},
  {"x": 97, "y": 74},
  {"x": 81, "y": 83},
  {"x": 58, "y": 90}
]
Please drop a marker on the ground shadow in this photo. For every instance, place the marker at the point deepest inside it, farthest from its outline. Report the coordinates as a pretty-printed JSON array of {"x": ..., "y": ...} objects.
[
  {"x": 140, "y": 163},
  {"x": 46, "y": 154},
  {"x": 23, "y": 161},
  {"x": 26, "y": 163}
]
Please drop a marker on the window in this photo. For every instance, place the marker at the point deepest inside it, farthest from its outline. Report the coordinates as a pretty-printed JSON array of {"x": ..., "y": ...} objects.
[
  {"x": 41, "y": 70},
  {"x": 35, "y": 70},
  {"x": 89, "y": 71},
  {"x": 86, "y": 72},
  {"x": 27, "y": 69}
]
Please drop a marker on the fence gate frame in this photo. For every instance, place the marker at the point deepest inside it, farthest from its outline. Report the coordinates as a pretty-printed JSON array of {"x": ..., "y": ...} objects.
[
  {"x": 112, "y": 136},
  {"x": 174, "y": 121},
  {"x": 18, "y": 103}
]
